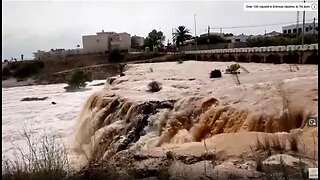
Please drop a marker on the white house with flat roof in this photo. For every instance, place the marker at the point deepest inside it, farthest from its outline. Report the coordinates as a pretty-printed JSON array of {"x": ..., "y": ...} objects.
[
  {"x": 104, "y": 42},
  {"x": 310, "y": 28},
  {"x": 138, "y": 39}
]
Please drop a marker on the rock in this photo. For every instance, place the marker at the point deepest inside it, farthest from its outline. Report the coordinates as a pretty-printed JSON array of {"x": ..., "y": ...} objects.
[
  {"x": 287, "y": 159},
  {"x": 110, "y": 80},
  {"x": 215, "y": 74},
  {"x": 34, "y": 99},
  {"x": 98, "y": 84},
  {"x": 53, "y": 103}
]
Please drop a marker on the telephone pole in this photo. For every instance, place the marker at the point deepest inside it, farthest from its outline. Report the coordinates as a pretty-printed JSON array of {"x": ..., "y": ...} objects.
[
  {"x": 314, "y": 26},
  {"x": 195, "y": 36},
  {"x": 303, "y": 28},
  {"x": 303, "y": 24},
  {"x": 208, "y": 37},
  {"x": 298, "y": 16}
]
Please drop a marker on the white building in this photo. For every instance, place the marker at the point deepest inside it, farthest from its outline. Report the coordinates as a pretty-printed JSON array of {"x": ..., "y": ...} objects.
[
  {"x": 104, "y": 42},
  {"x": 38, "y": 55},
  {"x": 138, "y": 39},
  {"x": 310, "y": 28},
  {"x": 237, "y": 38},
  {"x": 55, "y": 52},
  {"x": 273, "y": 33}
]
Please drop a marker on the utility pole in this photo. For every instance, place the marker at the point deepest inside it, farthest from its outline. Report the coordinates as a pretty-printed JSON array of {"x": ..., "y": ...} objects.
[
  {"x": 303, "y": 28},
  {"x": 314, "y": 26},
  {"x": 220, "y": 30},
  {"x": 208, "y": 37},
  {"x": 195, "y": 36},
  {"x": 297, "y": 26},
  {"x": 303, "y": 24}
]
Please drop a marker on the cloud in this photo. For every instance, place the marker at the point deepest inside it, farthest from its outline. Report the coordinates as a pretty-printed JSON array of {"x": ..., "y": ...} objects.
[{"x": 32, "y": 25}]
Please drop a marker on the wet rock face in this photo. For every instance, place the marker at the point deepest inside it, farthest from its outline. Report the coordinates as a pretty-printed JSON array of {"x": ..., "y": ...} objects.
[
  {"x": 118, "y": 124},
  {"x": 110, "y": 80}
]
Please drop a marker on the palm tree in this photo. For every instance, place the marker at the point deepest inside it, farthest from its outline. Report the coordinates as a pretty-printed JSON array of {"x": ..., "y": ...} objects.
[{"x": 181, "y": 34}]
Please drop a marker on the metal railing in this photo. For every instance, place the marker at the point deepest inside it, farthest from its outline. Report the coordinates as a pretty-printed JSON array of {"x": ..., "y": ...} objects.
[{"x": 306, "y": 47}]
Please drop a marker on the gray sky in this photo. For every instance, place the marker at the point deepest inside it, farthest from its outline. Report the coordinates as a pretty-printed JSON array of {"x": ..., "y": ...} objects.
[{"x": 31, "y": 25}]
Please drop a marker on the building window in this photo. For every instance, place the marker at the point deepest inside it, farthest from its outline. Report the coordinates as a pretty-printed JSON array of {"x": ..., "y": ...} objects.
[
  {"x": 237, "y": 40},
  {"x": 307, "y": 29},
  {"x": 316, "y": 28},
  {"x": 294, "y": 31},
  {"x": 300, "y": 30},
  {"x": 284, "y": 31},
  {"x": 310, "y": 28},
  {"x": 289, "y": 31}
]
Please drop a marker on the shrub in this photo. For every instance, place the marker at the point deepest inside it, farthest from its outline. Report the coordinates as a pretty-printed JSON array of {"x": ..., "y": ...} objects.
[
  {"x": 278, "y": 143},
  {"x": 293, "y": 141},
  {"x": 26, "y": 69},
  {"x": 6, "y": 71},
  {"x": 45, "y": 158},
  {"x": 115, "y": 55},
  {"x": 259, "y": 163},
  {"x": 154, "y": 86},
  {"x": 180, "y": 61},
  {"x": 215, "y": 73},
  {"x": 233, "y": 68},
  {"x": 170, "y": 155},
  {"x": 79, "y": 79},
  {"x": 40, "y": 64}
]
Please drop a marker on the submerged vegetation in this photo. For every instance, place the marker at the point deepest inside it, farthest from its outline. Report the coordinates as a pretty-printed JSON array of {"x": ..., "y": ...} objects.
[{"x": 79, "y": 79}]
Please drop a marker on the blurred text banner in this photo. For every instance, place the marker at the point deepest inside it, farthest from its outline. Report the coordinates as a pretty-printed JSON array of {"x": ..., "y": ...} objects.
[{"x": 280, "y": 6}]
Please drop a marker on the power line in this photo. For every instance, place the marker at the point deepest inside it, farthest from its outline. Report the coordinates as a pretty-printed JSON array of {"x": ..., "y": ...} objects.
[{"x": 261, "y": 25}]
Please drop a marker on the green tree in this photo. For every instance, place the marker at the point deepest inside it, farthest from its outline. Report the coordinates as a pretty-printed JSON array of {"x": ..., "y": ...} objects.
[
  {"x": 281, "y": 40},
  {"x": 213, "y": 39},
  {"x": 155, "y": 39},
  {"x": 79, "y": 79},
  {"x": 134, "y": 43},
  {"x": 180, "y": 35}
]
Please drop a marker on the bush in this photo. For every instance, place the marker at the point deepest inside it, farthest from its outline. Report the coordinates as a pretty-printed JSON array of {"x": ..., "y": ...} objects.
[
  {"x": 170, "y": 155},
  {"x": 115, "y": 55},
  {"x": 79, "y": 79},
  {"x": 6, "y": 72},
  {"x": 180, "y": 61},
  {"x": 233, "y": 68},
  {"x": 26, "y": 69},
  {"x": 44, "y": 158},
  {"x": 154, "y": 86},
  {"x": 40, "y": 64},
  {"x": 215, "y": 73}
]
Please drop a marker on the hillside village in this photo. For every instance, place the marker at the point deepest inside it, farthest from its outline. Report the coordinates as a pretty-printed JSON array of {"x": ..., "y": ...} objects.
[{"x": 104, "y": 42}]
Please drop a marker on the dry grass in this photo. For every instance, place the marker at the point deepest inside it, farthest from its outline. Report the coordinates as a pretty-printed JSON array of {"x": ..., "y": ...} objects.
[
  {"x": 45, "y": 158},
  {"x": 278, "y": 143}
]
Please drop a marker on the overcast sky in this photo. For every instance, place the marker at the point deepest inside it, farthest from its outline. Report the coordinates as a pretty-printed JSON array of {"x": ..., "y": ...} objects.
[{"x": 31, "y": 25}]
